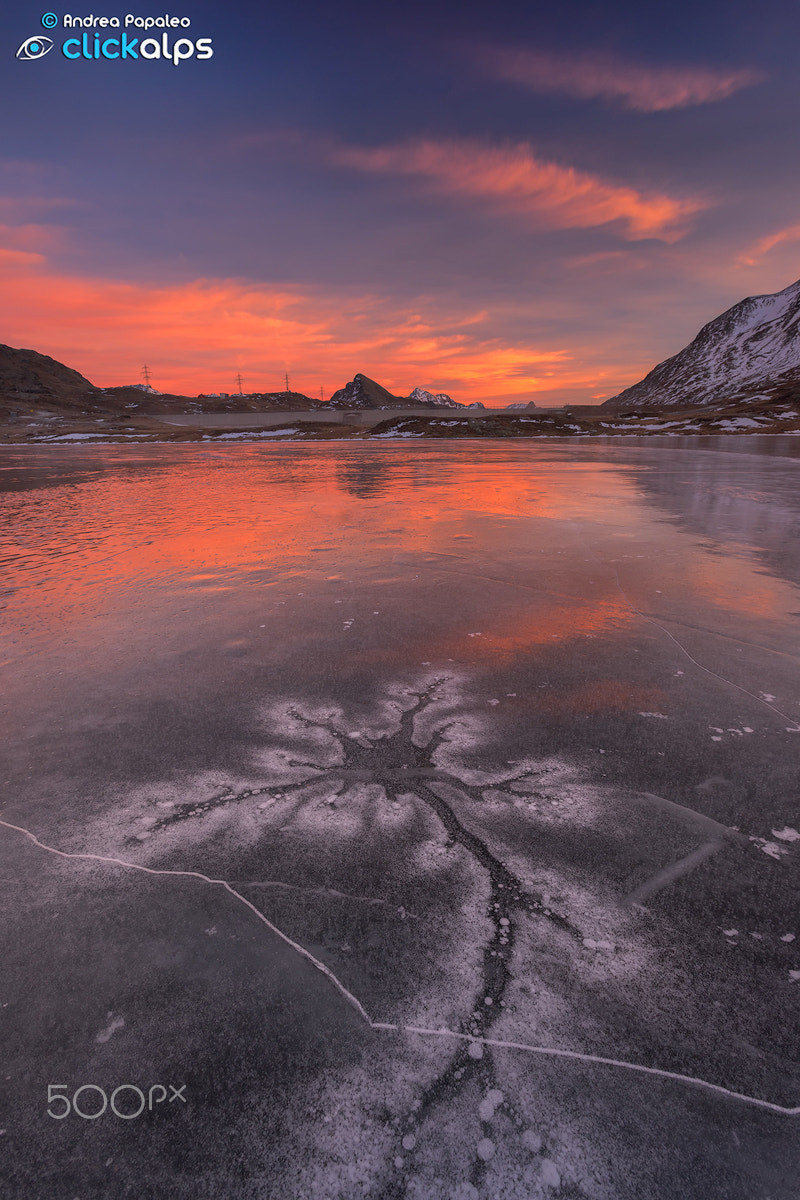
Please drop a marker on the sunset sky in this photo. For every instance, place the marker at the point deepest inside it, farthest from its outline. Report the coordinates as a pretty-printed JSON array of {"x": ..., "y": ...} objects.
[{"x": 503, "y": 201}]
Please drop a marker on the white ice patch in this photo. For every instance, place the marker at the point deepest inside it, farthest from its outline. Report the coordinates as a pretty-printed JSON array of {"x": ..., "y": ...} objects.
[
  {"x": 491, "y": 1101},
  {"x": 551, "y": 1176},
  {"x": 249, "y": 437},
  {"x": 377, "y": 436},
  {"x": 111, "y": 1028},
  {"x": 787, "y": 834},
  {"x": 770, "y": 848},
  {"x": 662, "y": 716},
  {"x": 739, "y": 423},
  {"x": 531, "y": 1140}
]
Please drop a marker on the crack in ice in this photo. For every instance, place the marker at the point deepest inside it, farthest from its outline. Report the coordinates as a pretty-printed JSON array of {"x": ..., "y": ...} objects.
[
  {"x": 794, "y": 728},
  {"x": 387, "y": 1027}
]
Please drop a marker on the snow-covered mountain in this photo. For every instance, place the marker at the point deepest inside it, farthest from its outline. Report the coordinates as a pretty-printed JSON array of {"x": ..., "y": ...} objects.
[
  {"x": 363, "y": 392},
  {"x": 420, "y": 396},
  {"x": 744, "y": 353}
]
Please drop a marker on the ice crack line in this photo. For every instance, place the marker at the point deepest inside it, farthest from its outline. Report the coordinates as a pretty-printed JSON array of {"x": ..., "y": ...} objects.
[
  {"x": 223, "y": 883},
  {"x": 552, "y": 1052},
  {"x": 386, "y": 1027},
  {"x": 279, "y": 885},
  {"x": 795, "y": 727}
]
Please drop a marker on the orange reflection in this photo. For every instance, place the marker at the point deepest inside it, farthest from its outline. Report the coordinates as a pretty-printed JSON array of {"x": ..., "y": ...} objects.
[
  {"x": 184, "y": 524},
  {"x": 601, "y": 696},
  {"x": 547, "y": 621},
  {"x": 734, "y": 585},
  {"x": 516, "y": 551}
]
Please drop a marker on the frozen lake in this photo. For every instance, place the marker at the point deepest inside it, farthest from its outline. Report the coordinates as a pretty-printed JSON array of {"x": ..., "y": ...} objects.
[{"x": 427, "y": 813}]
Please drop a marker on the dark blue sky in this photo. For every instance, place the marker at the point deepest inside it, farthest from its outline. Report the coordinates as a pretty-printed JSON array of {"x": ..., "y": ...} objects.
[{"x": 503, "y": 201}]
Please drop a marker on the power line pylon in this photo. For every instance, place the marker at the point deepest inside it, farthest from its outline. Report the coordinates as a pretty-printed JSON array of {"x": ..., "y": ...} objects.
[
  {"x": 286, "y": 379},
  {"x": 146, "y": 373},
  {"x": 239, "y": 381}
]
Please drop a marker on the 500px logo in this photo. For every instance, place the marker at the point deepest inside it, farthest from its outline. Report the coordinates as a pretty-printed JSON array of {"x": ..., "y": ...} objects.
[
  {"x": 97, "y": 46},
  {"x": 93, "y": 1106}
]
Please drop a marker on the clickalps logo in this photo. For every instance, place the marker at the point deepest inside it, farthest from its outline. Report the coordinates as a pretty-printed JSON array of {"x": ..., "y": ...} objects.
[{"x": 97, "y": 42}]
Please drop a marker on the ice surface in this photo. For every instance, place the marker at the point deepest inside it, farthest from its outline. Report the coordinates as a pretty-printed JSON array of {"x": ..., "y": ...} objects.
[{"x": 371, "y": 886}]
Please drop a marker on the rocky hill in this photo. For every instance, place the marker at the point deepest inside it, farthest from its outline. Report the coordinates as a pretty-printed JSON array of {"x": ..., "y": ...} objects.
[
  {"x": 363, "y": 392},
  {"x": 747, "y": 353},
  {"x": 29, "y": 379}
]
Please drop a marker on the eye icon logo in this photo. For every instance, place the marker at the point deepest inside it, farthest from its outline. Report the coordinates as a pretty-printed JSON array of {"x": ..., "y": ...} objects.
[{"x": 35, "y": 47}]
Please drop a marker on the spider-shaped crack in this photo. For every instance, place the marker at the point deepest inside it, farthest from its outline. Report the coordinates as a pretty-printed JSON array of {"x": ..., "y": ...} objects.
[{"x": 400, "y": 765}]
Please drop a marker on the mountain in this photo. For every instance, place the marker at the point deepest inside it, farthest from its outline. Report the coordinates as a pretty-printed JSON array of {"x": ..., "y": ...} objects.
[
  {"x": 27, "y": 377},
  {"x": 748, "y": 351},
  {"x": 521, "y": 407},
  {"x": 363, "y": 392},
  {"x": 440, "y": 399}
]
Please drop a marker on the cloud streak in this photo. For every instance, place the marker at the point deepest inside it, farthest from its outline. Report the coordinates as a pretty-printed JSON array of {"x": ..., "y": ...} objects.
[
  {"x": 594, "y": 76},
  {"x": 513, "y": 179},
  {"x": 764, "y": 245}
]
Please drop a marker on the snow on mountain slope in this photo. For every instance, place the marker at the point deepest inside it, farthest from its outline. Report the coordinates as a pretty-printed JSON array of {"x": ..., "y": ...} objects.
[
  {"x": 421, "y": 396},
  {"x": 753, "y": 346}
]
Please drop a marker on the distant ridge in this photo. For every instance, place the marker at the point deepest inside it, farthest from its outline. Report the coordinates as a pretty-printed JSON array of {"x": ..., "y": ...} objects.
[
  {"x": 29, "y": 380},
  {"x": 745, "y": 353}
]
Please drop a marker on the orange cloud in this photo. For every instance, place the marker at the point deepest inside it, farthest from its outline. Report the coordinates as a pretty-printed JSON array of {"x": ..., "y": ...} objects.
[
  {"x": 762, "y": 247},
  {"x": 195, "y": 336},
  {"x": 646, "y": 88},
  {"x": 515, "y": 179},
  {"x": 18, "y": 258}
]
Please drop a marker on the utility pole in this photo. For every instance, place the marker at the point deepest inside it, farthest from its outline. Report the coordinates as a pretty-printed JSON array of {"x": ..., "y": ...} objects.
[
  {"x": 239, "y": 381},
  {"x": 146, "y": 373},
  {"x": 286, "y": 379}
]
